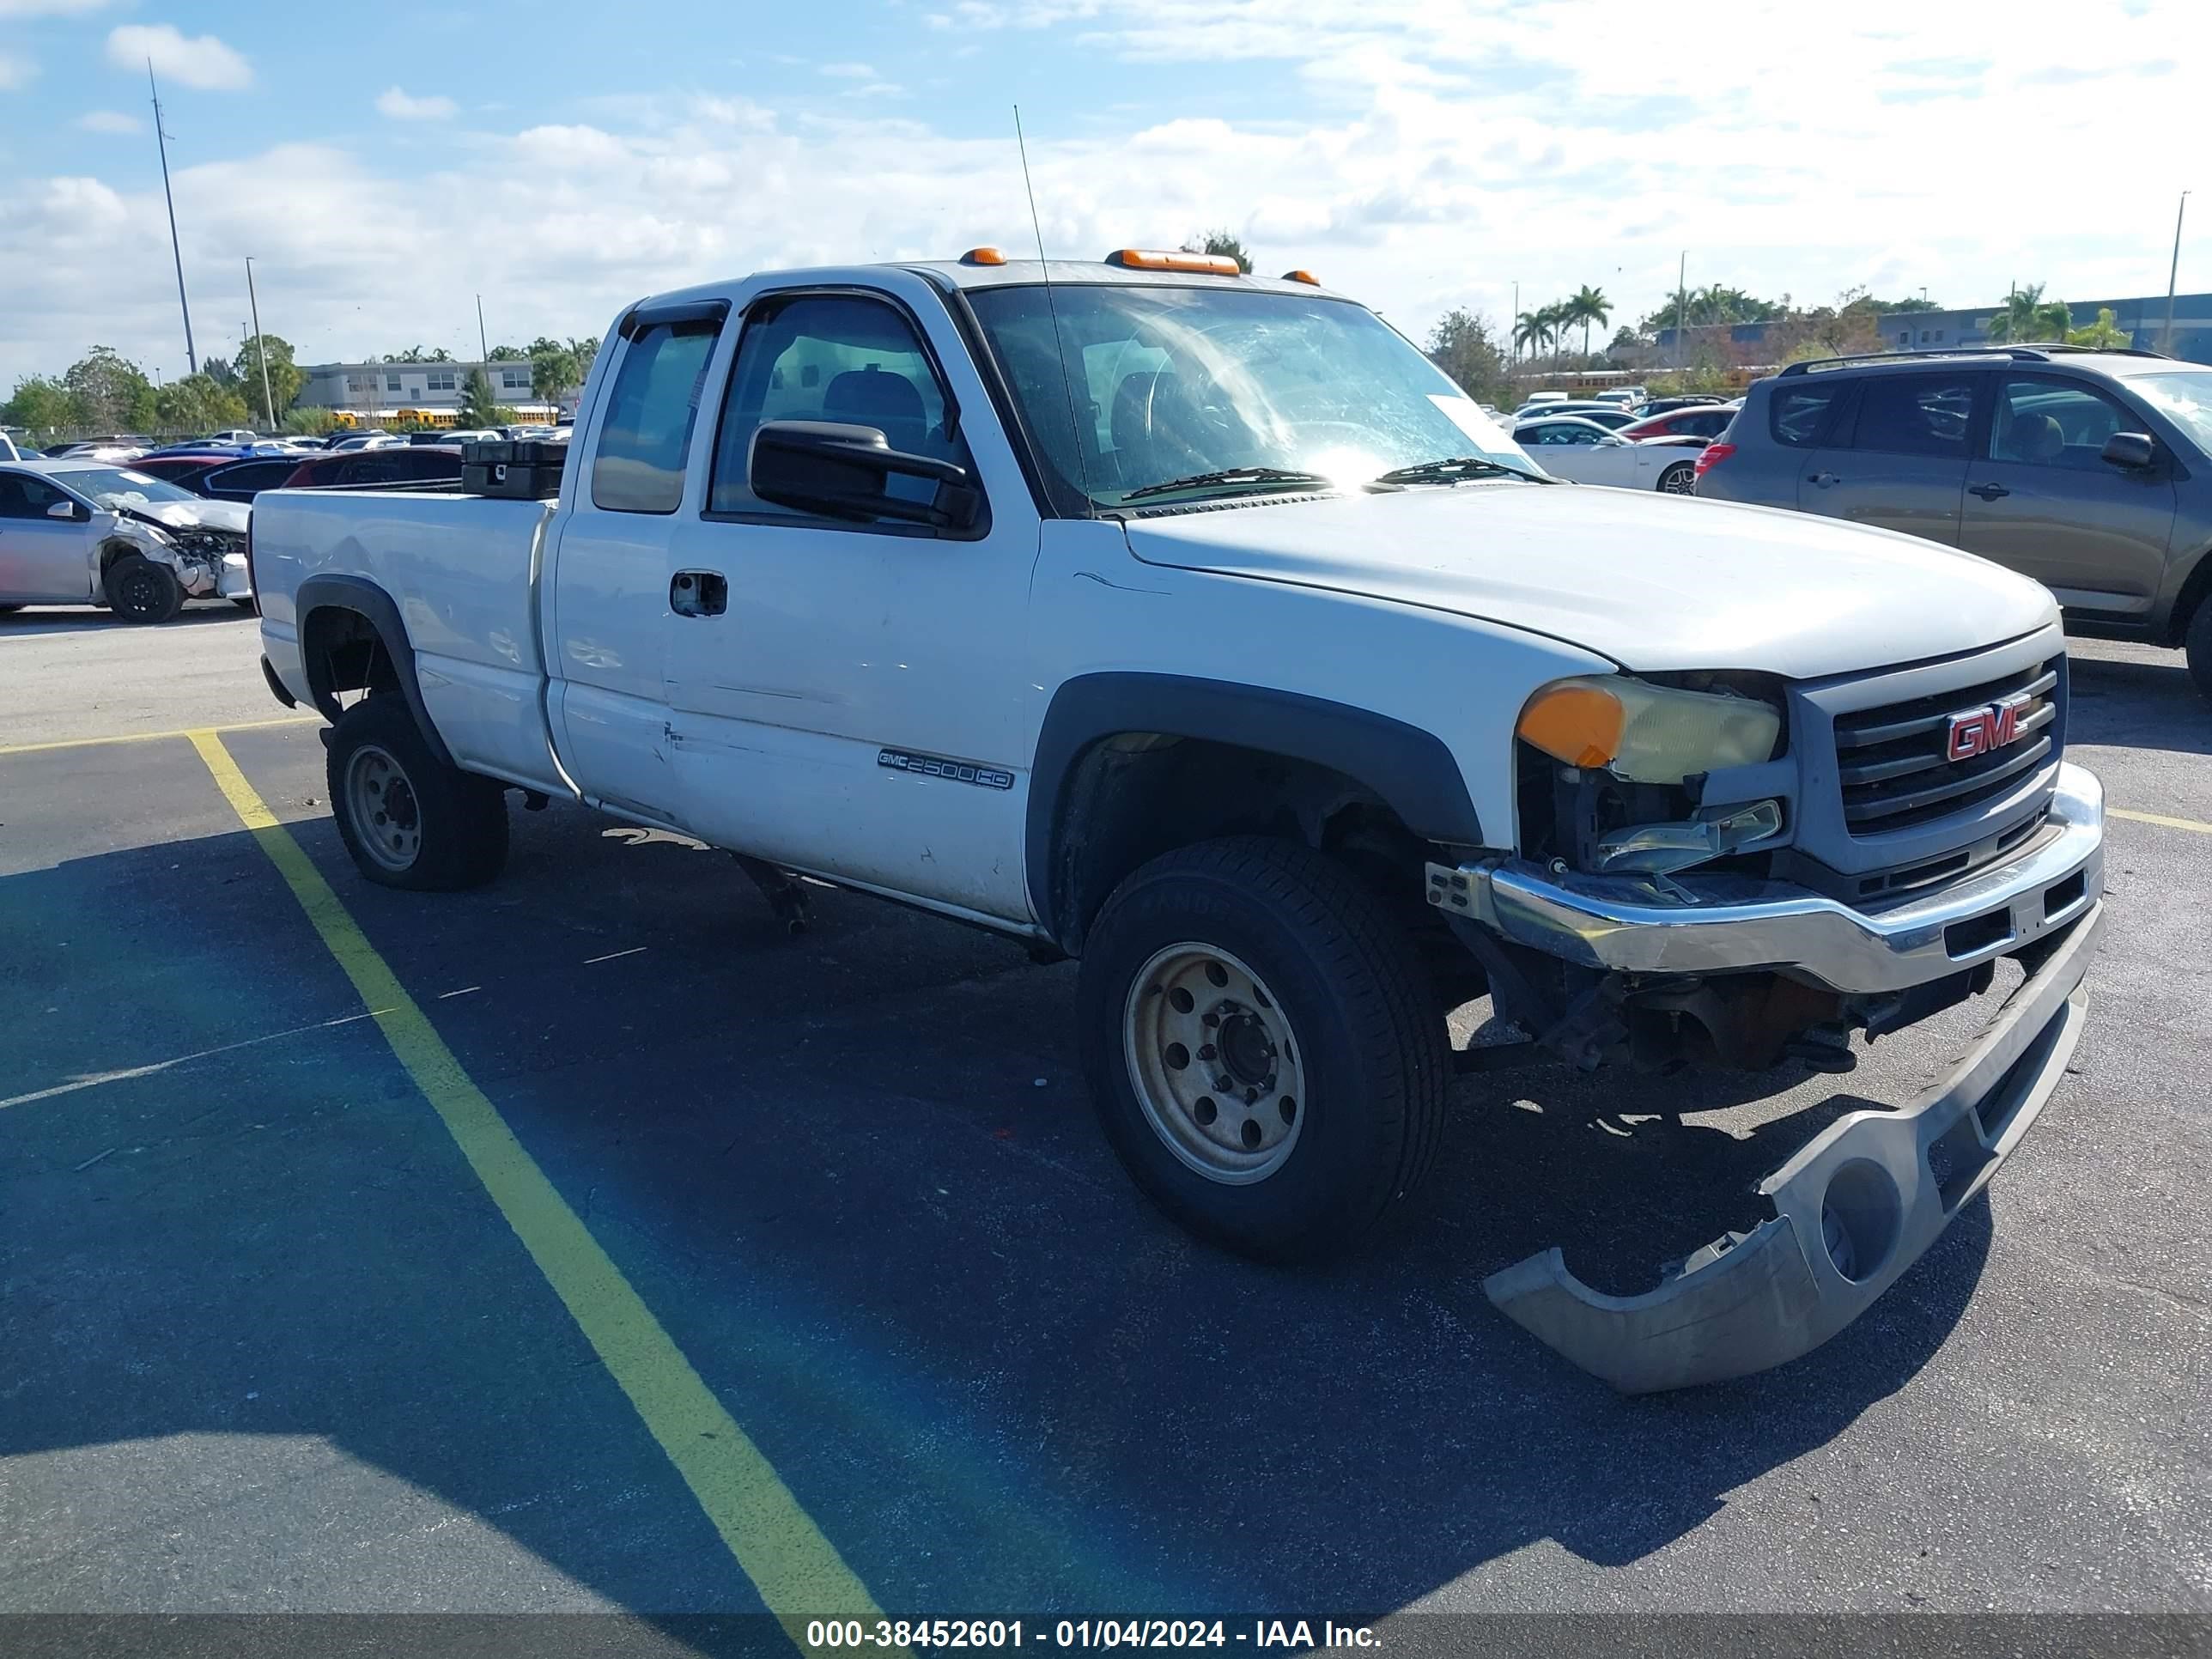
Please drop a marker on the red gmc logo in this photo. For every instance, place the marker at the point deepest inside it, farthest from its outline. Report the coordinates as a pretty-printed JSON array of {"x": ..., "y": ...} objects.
[{"x": 1981, "y": 730}]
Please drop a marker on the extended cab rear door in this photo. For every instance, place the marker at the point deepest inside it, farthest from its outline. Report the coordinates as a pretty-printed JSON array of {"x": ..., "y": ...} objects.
[
  {"x": 845, "y": 695},
  {"x": 609, "y": 594}
]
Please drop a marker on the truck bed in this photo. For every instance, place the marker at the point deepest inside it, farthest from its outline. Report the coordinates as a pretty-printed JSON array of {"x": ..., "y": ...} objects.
[{"x": 462, "y": 570}]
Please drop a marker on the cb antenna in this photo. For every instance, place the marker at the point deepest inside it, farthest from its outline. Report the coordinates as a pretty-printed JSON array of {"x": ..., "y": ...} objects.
[{"x": 1059, "y": 345}]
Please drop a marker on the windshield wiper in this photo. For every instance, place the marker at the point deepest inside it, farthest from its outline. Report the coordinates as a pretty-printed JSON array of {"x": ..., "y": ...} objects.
[
  {"x": 1453, "y": 466},
  {"x": 1232, "y": 475}
]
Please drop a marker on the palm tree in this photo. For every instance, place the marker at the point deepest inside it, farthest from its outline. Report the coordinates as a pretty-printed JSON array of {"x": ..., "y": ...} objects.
[
  {"x": 2028, "y": 316},
  {"x": 1532, "y": 331},
  {"x": 2106, "y": 334},
  {"x": 1588, "y": 306},
  {"x": 1555, "y": 322}
]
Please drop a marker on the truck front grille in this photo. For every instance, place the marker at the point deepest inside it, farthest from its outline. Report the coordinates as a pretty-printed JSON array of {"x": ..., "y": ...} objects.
[{"x": 1894, "y": 762}]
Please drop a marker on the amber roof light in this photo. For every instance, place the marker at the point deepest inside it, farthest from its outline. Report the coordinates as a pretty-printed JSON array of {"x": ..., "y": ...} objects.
[
  {"x": 982, "y": 256},
  {"x": 1305, "y": 276},
  {"x": 1144, "y": 258}
]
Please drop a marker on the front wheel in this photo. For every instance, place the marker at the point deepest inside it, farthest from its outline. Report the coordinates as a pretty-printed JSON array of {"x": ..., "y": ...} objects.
[
  {"x": 1681, "y": 479},
  {"x": 1262, "y": 1046},
  {"x": 2198, "y": 643},
  {"x": 140, "y": 591},
  {"x": 408, "y": 819}
]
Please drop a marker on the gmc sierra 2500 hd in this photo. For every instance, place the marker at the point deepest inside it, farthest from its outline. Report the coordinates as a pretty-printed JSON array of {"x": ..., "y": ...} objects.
[{"x": 1197, "y": 626}]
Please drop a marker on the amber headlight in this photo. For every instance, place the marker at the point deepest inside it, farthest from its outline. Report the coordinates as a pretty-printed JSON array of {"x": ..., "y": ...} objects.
[{"x": 1647, "y": 733}]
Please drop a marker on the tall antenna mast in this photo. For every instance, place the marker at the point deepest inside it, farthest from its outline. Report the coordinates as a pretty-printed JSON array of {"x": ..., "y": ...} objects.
[
  {"x": 1059, "y": 345},
  {"x": 162, "y": 143}
]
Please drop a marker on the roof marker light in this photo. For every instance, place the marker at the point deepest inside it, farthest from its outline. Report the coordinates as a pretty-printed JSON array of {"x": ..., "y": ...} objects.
[
  {"x": 982, "y": 256},
  {"x": 1142, "y": 258}
]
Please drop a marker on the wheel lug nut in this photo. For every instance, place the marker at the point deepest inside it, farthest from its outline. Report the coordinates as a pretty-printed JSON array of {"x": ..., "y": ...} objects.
[
  {"x": 1251, "y": 1096},
  {"x": 1224, "y": 1087},
  {"x": 1206, "y": 1051},
  {"x": 1213, "y": 1019}
]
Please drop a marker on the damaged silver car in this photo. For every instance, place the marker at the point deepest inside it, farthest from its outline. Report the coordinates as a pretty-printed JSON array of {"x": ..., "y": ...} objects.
[{"x": 94, "y": 532}]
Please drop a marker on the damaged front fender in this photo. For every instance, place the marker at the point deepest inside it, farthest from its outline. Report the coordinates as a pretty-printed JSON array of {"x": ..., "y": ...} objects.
[{"x": 1855, "y": 1208}]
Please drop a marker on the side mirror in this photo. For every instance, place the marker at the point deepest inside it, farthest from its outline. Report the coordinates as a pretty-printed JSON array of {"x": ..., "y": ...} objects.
[
  {"x": 2131, "y": 450},
  {"x": 841, "y": 470},
  {"x": 63, "y": 509}
]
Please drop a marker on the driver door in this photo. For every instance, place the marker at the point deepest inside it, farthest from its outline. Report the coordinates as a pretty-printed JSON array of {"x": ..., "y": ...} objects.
[{"x": 43, "y": 561}]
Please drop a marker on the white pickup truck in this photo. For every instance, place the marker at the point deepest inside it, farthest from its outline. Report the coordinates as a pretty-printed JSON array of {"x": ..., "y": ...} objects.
[{"x": 1197, "y": 626}]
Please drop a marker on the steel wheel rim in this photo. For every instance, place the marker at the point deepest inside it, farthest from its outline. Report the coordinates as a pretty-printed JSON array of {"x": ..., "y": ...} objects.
[
  {"x": 381, "y": 803},
  {"x": 141, "y": 590},
  {"x": 1234, "y": 1106},
  {"x": 1682, "y": 481}
]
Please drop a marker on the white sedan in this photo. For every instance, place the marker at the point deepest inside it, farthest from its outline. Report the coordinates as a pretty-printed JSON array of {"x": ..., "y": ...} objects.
[{"x": 1569, "y": 446}]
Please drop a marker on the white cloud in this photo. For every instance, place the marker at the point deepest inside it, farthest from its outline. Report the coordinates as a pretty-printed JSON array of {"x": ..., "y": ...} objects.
[
  {"x": 16, "y": 71},
  {"x": 108, "y": 120},
  {"x": 1420, "y": 157},
  {"x": 395, "y": 104},
  {"x": 850, "y": 71},
  {"x": 199, "y": 61}
]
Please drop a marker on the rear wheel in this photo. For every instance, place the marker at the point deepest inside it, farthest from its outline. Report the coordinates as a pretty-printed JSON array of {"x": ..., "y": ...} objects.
[
  {"x": 1262, "y": 1046},
  {"x": 140, "y": 591},
  {"x": 2198, "y": 642},
  {"x": 408, "y": 819},
  {"x": 1681, "y": 479}
]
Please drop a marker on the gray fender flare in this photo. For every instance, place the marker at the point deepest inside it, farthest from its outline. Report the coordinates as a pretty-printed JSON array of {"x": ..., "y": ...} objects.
[
  {"x": 1409, "y": 769},
  {"x": 365, "y": 598}
]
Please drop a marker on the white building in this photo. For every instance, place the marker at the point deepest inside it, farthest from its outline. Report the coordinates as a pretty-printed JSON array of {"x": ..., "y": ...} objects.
[{"x": 381, "y": 391}]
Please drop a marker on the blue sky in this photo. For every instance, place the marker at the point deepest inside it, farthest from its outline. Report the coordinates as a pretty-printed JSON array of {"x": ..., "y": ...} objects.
[{"x": 386, "y": 163}]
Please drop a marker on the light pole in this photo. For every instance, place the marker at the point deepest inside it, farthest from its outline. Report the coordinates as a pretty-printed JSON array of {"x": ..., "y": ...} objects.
[
  {"x": 483, "y": 340},
  {"x": 1682, "y": 306},
  {"x": 260, "y": 346},
  {"x": 1513, "y": 327},
  {"x": 2166, "y": 342},
  {"x": 162, "y": 143}
]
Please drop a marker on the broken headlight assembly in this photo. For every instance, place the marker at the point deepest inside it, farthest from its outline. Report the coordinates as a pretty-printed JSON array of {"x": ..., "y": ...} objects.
[{"x": 1613, "y": 774}]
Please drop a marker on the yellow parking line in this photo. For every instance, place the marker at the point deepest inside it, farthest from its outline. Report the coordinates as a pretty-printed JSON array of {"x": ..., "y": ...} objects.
[
  {"x": 2163, "y": 821},
  {"x": 155, "y": 737},
  {"x": 797, "y": 1570}
]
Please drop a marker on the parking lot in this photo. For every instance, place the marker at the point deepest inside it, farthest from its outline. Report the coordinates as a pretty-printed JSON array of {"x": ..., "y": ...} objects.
[{"x": 277, "y": 1340}]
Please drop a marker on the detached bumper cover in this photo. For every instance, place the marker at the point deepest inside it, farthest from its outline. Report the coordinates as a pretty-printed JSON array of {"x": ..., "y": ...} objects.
[
  {"x": 1852, "y": 1211},
  {"x": 1722, "y": 925}
]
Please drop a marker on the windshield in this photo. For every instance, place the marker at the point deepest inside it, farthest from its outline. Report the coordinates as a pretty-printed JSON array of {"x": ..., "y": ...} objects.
[
  {"x": 1180, "y": 384},
  {"x": 109, "y": 484},
  {"x": 2185, "y": 398}
]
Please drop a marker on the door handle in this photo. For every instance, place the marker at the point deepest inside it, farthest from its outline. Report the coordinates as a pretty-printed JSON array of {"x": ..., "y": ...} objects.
[
  {"x": 1988, "y": 492},
  {"x": 1823, "y": 479},
  {"x": 698, "y": 593}
]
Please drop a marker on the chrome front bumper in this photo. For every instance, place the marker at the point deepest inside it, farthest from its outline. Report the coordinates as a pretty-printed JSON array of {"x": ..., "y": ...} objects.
[
  {"x": 1723, "y": 926},
  {"x": 1860, "y": 1204}
]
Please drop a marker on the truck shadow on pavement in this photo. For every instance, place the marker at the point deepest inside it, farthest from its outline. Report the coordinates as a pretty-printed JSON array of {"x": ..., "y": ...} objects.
[
  {"x": 998, "y": 1382},
  {"x": 2141, "y": 705},
  {"x": 40, "y": 621}
]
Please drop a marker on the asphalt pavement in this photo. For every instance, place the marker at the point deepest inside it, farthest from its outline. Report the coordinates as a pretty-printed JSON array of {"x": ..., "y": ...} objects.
[{"x": 270, "y": 1346}]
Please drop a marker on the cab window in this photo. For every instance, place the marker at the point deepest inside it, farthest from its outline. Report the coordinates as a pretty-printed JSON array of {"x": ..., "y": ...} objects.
[
  {"x": 831, "y": 357},
  {"x": 646, "y": 435}
]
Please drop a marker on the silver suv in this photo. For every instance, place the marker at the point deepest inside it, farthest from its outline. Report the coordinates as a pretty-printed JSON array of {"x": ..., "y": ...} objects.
[{"x": 2090, "y": 470}]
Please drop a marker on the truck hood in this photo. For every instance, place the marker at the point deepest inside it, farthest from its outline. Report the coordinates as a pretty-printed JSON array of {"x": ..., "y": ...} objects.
[{"x": 1655, "y": 582}]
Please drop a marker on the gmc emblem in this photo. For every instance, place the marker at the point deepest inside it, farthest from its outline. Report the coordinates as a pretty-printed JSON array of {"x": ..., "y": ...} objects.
[{"x": 1981, "y": 730}]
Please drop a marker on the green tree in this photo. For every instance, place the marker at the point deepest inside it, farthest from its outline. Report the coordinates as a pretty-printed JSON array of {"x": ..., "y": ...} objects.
[
  {"x": 1586, "y": 307},
  {"x": 553, "y": 373},
  {"x": 478, "y": 407},
  {"x": 1222, "y": 241},
  {"x": 42, "y": 403},
  {"x": 1532, "y": 332},
  {"x": 219, "y": 370},
  {"x": 2028, "y": 316},
  {"x": 196, "y": 405},
  {"x": 109, "y": 391},
  {"x": 2106, "y": 334},
  {"x": 285, "y": 378},
  {"x": 506, "y": 353},
  {"x": 310, "y": 421},
  {"x": 1463, "y": 346}
]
